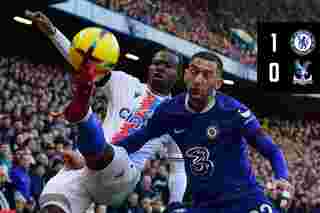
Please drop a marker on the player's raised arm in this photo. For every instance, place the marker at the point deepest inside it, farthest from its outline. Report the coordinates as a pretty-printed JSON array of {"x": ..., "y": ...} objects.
[
  {"x": 117, "y": 96},
  {"x": 46, "y": 26}
]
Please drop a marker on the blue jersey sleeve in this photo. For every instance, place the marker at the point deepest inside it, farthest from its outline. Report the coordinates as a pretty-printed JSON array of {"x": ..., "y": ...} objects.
[
  {"x": 155, "y": 127},
  {"x": 262, "y": 142}
]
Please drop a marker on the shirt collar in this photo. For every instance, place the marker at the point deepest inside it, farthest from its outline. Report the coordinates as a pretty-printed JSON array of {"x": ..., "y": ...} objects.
[
  {"x": 157, "y": 94},
  {"x": 210, "y": 105}
]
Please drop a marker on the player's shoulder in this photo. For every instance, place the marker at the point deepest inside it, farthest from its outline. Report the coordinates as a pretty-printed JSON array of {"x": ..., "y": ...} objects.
[
  {"x": 121, "y": 75},
  {"x": 177, "y": 101},
  {"x": 228, "y": 103},
  {"x": 173, "y": 104}
]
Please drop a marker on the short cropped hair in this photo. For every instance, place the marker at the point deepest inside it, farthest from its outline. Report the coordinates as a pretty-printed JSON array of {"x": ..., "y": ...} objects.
[{"x": 209, "y": 56}]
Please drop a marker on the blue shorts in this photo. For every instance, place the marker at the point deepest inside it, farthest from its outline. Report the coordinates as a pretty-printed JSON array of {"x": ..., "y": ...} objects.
[{"x": 254, "y": 204}]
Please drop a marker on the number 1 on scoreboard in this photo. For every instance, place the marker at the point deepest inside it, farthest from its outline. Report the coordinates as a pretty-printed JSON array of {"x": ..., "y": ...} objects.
[
  {"x": 274, "y": 69},
  {"x": 274, "y": 42}
]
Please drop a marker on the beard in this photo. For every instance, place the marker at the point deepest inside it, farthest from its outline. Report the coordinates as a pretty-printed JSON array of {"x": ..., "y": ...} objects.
[{"x": 161, "y": 86}]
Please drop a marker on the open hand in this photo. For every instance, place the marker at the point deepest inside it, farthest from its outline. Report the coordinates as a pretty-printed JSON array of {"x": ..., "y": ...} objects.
[{"x": 41, "y": 21}]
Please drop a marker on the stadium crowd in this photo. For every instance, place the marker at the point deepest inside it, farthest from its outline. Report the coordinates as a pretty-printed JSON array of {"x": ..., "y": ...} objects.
[
  {"x": 181, "y": 19},
  {"x": 232, "y": 31},
  {"x": 32, "y": 144}
]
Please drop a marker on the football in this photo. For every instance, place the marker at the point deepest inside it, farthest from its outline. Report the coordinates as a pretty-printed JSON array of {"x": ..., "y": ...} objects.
[{"x": 99, "y": 46}]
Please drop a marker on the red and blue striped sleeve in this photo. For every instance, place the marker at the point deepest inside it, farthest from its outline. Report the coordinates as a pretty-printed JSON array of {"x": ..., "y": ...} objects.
[{"x": 154, "y": 128}]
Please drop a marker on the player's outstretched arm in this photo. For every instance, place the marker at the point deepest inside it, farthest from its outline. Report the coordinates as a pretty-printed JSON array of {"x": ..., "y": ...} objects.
[
  {"x": 117, "y": 96},
  {"x": 256, "y": 137},
  {"x": 155, "y": 127},
  {"x": 262, "y": 142},
  {"x": 43, "y": 23}
]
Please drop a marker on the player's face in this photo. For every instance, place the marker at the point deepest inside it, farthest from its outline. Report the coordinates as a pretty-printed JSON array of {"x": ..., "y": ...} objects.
[
  {"x": 133, "y": 199},
  {"x": 162, "y": 76},
  {"x": 201, "y": 77},
  {"x": 146, "y": 203},
  {"x": 59, "y": 148},
  {"x": 40, "y": 171},
  {"x": 26, "y": 161}
]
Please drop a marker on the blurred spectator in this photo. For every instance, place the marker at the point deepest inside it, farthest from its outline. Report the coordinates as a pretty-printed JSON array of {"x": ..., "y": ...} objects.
[
  {"x": 5, "y": 157},
  {"x": 157, "y": 205},
  {"x": 7, "y": 132},
  {"x": 38, "y": 172},
  {"x": 147, "y": 183},
  {"x": 146, "y": 204},
  {"x": 133, "y": 205},
  {"x": 59, "y": 145},
  {"x": 6, "y": 188},
  {"x": 42, "y": 159},
  {"x": 20, "y": 177},
  {"x": 160, "y": 183}
]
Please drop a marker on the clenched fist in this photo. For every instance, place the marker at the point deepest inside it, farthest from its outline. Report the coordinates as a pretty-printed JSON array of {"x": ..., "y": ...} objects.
[
  {"x": 283, "y": 191},
  {"x": 73, "y": 160}
]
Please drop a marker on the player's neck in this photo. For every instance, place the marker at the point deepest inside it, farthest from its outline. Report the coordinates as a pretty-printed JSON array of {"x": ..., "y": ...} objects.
[
  {"x": 158, "y": 91},
  {"x": 197, "y": 105},
  {"x": 200, "y": 105}
]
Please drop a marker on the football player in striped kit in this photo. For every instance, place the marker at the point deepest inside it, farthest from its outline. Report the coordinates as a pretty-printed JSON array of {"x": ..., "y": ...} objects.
[{"x": 130, "y": 104}]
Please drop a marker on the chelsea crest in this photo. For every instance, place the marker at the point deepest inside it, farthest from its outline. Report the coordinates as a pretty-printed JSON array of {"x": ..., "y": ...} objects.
[
  {"x": 302, "y": 42},
  {"x": 212, "y": 132}
]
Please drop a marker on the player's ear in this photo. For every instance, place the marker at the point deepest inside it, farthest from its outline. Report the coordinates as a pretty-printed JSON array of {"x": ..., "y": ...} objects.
[
  {"x": 187, "y": 75},
  {"x": 217, "y": 84}
]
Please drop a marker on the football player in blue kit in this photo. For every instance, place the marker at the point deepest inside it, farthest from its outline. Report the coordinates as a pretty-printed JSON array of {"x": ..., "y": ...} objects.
[{"x": 212, "y": 131}]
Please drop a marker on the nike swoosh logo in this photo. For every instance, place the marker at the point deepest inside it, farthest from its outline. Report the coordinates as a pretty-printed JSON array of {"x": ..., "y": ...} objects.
[{"x": 178, "y": 131}]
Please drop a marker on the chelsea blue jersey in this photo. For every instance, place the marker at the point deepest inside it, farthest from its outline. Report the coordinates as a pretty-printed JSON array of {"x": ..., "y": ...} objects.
[{"x": 214, "y": 147}]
